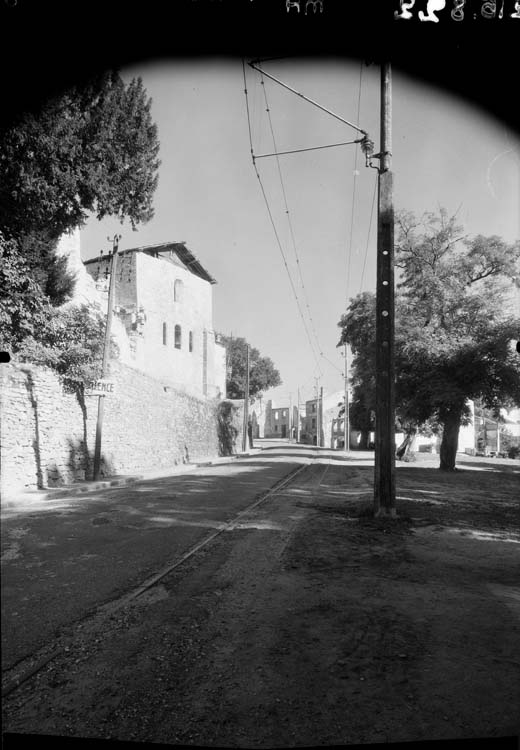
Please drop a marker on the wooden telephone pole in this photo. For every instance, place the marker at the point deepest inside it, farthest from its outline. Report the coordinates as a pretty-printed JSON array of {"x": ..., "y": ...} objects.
[
  {"x": 384, "y": 475},
  {"x": 346, "y": 425},
  {"x": 298, "y": 419},
  {"x": 246, "y": 402},
  {"x": 106, "y": 350}
]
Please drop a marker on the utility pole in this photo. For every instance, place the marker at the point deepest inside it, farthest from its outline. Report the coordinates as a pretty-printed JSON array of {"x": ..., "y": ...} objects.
[
  {"x": 317, "y": 393},
  {"x": 384, "y": 475},
  {"x": 346, "y": 424},
  {"x": 298, "y": 419},
  {"x": 290, "y": 417},
  {"x": 106, "y": 350},
  {"x": 320, "y": 412},
  {"x": 246, "y": 401}
]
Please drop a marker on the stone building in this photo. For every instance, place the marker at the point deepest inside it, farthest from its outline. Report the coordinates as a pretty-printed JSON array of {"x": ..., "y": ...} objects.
[
  {"x": 323, "y": 413},
  {"x": 163, "y": 298},
  {"x": 279, "y": 422}
]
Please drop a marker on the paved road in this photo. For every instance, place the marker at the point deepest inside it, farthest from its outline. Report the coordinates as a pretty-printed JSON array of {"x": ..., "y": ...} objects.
[
  {"x": 64, "y": 559},
  {"x": 306, "y": 622}
]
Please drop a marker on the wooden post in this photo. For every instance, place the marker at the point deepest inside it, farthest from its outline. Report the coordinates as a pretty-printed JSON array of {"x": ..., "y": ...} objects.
[
  {"x": 346, "y": 423},
  {"x": 246, "y": 402},
  {"x": 106, "y": 351},
  {"x": 321, "y": 415},
  {"x": 298, "y": 420},
  {"x": 384, "y": 475}
]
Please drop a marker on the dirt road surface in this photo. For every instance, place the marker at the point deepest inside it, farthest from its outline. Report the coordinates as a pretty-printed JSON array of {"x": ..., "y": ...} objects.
[{"x": 309, "y": 623}]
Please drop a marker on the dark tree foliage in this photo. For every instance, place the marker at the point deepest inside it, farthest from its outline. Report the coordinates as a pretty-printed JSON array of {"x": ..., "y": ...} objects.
[
  {"x": 262, "y": 372},
  {"x": 454, "y": 328},
  {"x": 71, "y": 343},
  {"x": 227, "y": 432},
  {"x": 24, "y": 308},
  {"x": 94, "y": 150}
]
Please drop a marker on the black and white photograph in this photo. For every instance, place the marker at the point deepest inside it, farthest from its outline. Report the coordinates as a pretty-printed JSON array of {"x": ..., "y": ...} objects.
[{"x": 260, "y": 373}]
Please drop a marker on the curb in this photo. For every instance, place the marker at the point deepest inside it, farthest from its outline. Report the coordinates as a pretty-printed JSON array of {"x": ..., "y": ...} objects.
[{"x": 35, "y": 497}]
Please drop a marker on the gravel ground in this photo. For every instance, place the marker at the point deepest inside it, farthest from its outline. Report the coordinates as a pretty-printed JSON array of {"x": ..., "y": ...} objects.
[{"x": 310, "y": 623}]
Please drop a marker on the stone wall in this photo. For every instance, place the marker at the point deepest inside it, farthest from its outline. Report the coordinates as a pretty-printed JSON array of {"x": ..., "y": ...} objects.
[{"x": 47, "y": 436}]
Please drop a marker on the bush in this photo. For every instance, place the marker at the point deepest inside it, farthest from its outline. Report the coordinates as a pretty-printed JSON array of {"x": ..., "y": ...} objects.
[
  {"x": 227, "y": 432},
  {"x": 71, "y": 343}
]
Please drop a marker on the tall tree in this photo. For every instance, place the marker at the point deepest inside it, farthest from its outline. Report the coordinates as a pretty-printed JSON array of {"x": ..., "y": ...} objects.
[
  {"x": 262, "y": 372},
  {"x": 94, "y": 149},
  {"x": 454, "y": 329},
  {"x": 358, "y": 326},
  {"x": 24, "y": 309}
]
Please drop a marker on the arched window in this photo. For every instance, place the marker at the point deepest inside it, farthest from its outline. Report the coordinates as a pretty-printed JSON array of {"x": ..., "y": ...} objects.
[
  {"x": 177, "y": 290},
  {"x": 191, "y": 341},
  {"x": 164, "y": 334},
  {"x": 177, "y": 337}
]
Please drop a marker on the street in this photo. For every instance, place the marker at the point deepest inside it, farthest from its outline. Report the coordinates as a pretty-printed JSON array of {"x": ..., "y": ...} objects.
[
  {"x": 80, "y": 552},
  {"x": 304, "y": 622}
]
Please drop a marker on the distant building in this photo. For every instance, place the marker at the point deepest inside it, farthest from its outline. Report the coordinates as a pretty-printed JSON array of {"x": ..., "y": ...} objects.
[
  {"x": 280, "y": 422},
  {"x": 325, "y": 414},
  {"x": 163, "y": 301}
]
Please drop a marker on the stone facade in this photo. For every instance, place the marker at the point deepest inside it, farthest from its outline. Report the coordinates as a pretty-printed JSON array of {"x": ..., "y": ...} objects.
[
  {"x": 323, "y": 412},
  {"x": 163, "y": 298},
  {"x": 279, "y": 423},
  {"x": 47, "y": 436}
]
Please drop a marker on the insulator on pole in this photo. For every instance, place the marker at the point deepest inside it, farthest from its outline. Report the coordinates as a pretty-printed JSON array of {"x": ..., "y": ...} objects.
[{"x": 367, "y": 147}]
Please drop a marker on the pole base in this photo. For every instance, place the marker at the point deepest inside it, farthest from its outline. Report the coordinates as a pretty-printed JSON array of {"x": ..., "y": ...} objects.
[{"x": 386, "y": 513}]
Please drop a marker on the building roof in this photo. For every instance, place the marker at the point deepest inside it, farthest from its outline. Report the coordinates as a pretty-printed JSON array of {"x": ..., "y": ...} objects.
[{"x": 174, "y": 252}]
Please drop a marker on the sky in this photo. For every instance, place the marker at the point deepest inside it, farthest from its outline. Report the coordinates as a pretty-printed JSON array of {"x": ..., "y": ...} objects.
[{"x": 285, "y": 290}]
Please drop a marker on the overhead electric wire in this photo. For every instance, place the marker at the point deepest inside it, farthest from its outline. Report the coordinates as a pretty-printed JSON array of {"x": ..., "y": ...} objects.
[
  {"x": 311, "y": 101},
  {"x": 291, "y": 229},
  {"x": 353, "y": 192},
  {"x": 368, "y": 235},
  {"x": 273, "y": 223},
  {"x": 298, "y": 264},
  {"x": 312, "y": 148}
]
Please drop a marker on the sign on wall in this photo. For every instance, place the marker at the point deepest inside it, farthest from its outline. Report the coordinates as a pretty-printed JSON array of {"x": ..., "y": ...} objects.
[{"x": 101, "y": 387}]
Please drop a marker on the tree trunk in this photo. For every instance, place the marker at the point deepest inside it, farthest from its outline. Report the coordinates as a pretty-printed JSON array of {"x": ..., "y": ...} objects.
[
  {"x": 404, "y": 451},
  {"x": 450, "y": 441}
]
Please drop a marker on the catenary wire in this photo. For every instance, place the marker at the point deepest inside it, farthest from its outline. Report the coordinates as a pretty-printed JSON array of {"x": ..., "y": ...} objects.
[
  {"x": 306, "y": 98},
  {"x": 349, "y": 257},
  {"x": 368, "y": 235},
  {"x": 289, "y": 220},
  {"x": 274, "y": 225}
]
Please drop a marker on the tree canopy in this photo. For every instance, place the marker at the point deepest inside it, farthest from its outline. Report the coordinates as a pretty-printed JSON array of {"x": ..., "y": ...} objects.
[
  {"x": 262, "y": 372},
  {"x": 23, "y": 305},
  {"x": 94, "y": 149},
  {"x": 454, "y": 327}
]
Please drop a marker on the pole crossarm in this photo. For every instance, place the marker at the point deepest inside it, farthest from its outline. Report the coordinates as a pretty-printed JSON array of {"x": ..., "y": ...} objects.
[
  {"x": 312, "y": 148},
  {"x": 307, "y": 99}
]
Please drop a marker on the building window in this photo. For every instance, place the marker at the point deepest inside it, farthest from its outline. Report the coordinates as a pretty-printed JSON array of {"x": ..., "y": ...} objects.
[
  {"x": 177, "y": 290},
  {"x": 276, "y": 428},
  {"x": 284, "y": 413},
  {"x": 177, "y": 337},
  {"x": 313, "y": 423},
  {"x": 313, "y": 408},
  {"x": 164, "y": 334},
  {"x": 276, "y": 416},
  {"x": 191, "y": 341}
]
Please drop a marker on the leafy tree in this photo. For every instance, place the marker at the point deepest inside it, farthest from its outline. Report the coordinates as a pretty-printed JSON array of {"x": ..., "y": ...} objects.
[
  {"x": 359, "y": 331},
  {"x": 262, "y": 372},
  {"x": 92, "y": 149},
  {"x": 453, "y": 328},
  {"x": 71, "y": 343},
  {"x": 24, "y": 309}
]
